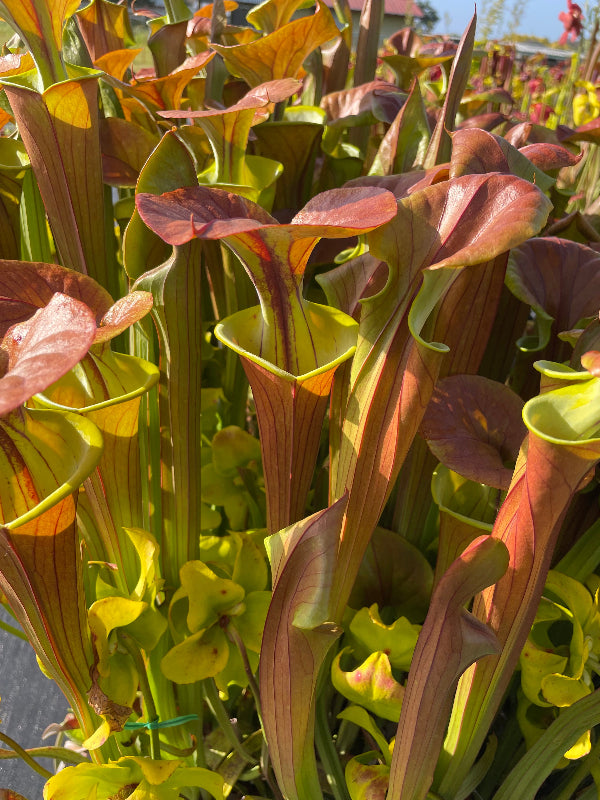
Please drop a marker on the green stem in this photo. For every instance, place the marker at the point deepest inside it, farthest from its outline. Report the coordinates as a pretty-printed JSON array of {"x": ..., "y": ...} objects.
[
  {"x": 57, "y": 753},
  {"x": 347, "y": 735},
  {"x": 144, "y": 344},
  {"x": 236, "y": 639},
  {"x": 150, "y": 708},
  {"x": 583, "y": 558},
  {"x": 219, "y": 712},
  {"x": 167, "y": 702},
  {"x": 565, "y": 96},
  {"x": 279, "y": 110},
  {"x": 538, "y": 762},
  {"x": 46, "y": 56},
  {"x": 510, "y": 749},
  {"x": 591, "y": 793},
  {"x": 176, "y": 11},
  {"x": 235, "y": 387},
  {"x": 238, "y": 293},
  {"x": 191, "y": 699},
  {"x": 25, "y": 756},
  {"x": 267, "y": 772},
  {"x": 581, "y": 772},
  {"x": 328, "y": 753},
  {"x": 12, "y": 630}
]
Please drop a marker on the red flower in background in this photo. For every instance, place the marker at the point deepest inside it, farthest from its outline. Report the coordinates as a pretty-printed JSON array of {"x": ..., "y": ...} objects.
[
  {"x": 536, "y": 85},
  {"x": 573, "y": 22},
  {"x": 558, "y": 73},
  {"x": 539, "y": 113}
]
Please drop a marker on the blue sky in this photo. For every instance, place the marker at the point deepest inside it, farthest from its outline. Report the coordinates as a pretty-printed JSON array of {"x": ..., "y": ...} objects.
[{"x": 539, "y": 17}]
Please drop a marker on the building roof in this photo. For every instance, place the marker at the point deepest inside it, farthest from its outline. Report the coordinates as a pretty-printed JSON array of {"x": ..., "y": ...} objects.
[{"x": 394, "y": 8}]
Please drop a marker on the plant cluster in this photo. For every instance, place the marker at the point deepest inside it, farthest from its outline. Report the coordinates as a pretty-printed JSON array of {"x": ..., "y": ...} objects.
[{"x": 311, "y": 509}]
